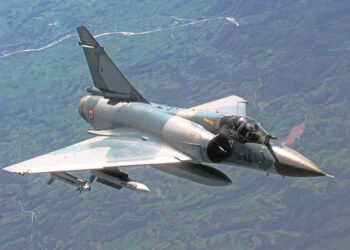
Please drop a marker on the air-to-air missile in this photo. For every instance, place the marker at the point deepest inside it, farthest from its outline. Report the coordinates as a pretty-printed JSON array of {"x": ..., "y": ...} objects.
[{"x": 71, "y": 180}]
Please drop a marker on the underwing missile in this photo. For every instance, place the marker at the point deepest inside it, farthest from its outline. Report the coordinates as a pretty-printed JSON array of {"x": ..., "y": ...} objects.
[{"x": 71, "y": 180}]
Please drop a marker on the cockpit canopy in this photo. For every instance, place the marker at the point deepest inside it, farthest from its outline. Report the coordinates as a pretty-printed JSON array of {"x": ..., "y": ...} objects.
[{"x": 244, "y": 128}]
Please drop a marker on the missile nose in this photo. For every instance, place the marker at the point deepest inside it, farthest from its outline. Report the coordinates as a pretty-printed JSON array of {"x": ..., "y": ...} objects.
[
  {"x": 134, "y": 185},
  {"x": 142, "y": 187},
  {"x": 292, "y": 163}
]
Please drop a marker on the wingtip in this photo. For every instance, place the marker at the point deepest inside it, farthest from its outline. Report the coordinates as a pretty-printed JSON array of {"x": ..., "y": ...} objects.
[
  {"x": 10, "y": 169},
  {"x": 7, "y": 169},
  {"x": 15, "y": 169}
]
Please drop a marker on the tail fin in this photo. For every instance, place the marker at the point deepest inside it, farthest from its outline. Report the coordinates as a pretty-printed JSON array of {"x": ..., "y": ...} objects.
[{"x": 108, "y": 79}]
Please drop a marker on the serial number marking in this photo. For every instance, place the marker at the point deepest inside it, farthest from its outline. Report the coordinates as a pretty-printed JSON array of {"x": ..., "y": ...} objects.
[{"x": 244, "y": 156}]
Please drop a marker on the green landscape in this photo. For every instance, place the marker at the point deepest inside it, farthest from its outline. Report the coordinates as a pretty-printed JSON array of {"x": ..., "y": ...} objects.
[{"x": 289, "y": 59}]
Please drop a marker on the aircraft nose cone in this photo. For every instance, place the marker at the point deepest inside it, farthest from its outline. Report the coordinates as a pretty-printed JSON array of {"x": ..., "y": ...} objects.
[{"x": 292, "y": 163}]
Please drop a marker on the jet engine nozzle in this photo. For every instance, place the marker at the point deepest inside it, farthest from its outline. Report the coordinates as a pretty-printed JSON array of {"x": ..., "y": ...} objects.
[
  {"x": 219, "y": 149},
  {"x": 81, "y": 105}
]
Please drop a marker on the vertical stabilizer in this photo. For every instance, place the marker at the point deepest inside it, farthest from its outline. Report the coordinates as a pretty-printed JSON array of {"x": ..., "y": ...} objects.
[{"x": 105, "y": 74}]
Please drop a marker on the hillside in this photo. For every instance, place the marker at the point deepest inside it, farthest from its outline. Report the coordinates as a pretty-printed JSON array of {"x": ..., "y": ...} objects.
[{"x": 289, "y": 59}]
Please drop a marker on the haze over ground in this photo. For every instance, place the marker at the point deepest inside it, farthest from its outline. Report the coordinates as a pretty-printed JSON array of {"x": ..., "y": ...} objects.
[{"x": 289, "y": 59}]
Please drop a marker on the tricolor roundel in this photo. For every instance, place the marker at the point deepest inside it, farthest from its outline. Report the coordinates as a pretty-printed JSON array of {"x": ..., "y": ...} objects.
[{"x": 91, "y": 114}]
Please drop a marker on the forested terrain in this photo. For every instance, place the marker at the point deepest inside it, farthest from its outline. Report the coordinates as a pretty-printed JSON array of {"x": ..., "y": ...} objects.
[{"x": 289, "y": 59}]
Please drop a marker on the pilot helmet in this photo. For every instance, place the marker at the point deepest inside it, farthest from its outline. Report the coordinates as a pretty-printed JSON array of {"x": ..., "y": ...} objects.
[
  {"x": 252, "y": 126},
  {"x": 242, "y": 120}
]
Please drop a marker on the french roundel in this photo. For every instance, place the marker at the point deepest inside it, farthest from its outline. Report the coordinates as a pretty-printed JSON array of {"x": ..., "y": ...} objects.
[{"x": 91, "y": 114}]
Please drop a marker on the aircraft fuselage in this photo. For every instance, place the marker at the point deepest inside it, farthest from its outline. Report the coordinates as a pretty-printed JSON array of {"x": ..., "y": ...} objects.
[{"x": 196, "y": 134}]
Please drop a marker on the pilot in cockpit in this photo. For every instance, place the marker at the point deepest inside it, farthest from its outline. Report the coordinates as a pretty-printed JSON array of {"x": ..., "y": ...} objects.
[
  {"x": 246, "y": 129},
  {"x": 241, "y": 127}
]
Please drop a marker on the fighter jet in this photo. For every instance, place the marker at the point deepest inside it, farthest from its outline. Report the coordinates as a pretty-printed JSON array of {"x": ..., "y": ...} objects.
[{"x": 129, "y": 131}]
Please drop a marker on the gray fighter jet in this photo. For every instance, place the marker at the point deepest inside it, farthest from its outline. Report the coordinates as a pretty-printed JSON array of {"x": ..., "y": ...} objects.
[{"x": 130, "y": 131}]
